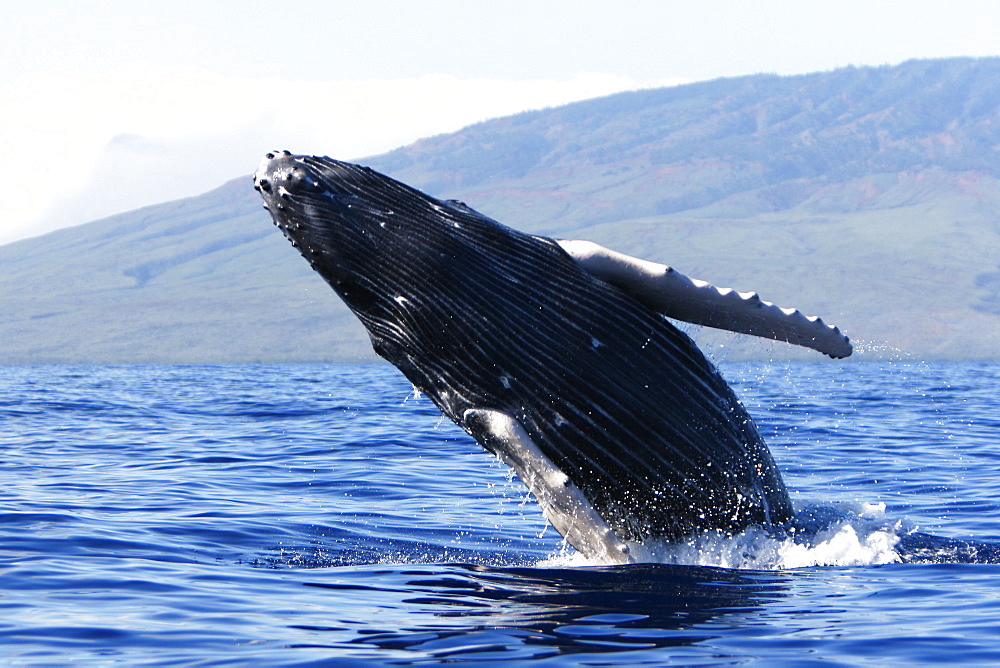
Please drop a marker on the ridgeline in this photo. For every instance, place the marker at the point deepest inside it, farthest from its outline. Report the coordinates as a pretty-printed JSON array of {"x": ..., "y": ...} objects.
[{"x": 870, "y": 196}]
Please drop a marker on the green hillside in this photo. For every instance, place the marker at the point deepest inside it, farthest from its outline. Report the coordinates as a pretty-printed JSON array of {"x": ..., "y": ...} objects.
[
  {"x": 205, "y": 279},
  {"x": 870, "y": 196}
]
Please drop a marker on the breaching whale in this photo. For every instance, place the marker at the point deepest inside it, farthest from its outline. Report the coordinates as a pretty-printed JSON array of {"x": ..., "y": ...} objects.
[{"x": 554, "y": 355}]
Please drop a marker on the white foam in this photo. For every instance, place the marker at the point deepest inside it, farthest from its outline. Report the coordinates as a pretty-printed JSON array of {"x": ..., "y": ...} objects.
[{"x": 827, "y": 535}]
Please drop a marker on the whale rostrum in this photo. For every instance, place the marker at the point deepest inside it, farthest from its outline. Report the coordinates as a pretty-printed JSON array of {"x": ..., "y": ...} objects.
[{"x": 554, "y": 355}]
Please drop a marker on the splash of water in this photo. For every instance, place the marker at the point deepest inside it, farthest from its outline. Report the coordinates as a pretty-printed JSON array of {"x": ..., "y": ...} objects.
[{"x": 819, "y": 535}]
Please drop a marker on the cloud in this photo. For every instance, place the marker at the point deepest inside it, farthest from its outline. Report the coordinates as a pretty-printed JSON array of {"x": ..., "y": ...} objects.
[{"x": 77, "y": 146}]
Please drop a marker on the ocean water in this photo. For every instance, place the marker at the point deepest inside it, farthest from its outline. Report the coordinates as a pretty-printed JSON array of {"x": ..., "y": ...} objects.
[{"x": 324, "y": 515}]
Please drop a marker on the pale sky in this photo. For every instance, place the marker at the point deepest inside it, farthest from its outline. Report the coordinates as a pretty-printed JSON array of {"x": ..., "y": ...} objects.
[{"x": 108, "y": 106}]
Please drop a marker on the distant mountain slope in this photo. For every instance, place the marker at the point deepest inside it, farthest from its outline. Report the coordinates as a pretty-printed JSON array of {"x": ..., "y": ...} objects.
[
  {"x": 762, "y": 143},
  {"x": 205, "y": 279},
  {"x": 868, "y": 195}
]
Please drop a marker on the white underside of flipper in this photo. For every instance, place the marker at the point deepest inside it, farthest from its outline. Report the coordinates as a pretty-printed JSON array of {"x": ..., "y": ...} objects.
[
  {"x": 561, "y": 501},
  {"x": 673, "y": 294}
]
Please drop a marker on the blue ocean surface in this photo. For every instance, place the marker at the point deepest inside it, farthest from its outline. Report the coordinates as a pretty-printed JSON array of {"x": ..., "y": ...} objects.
[{"x": 325, "y": 515}]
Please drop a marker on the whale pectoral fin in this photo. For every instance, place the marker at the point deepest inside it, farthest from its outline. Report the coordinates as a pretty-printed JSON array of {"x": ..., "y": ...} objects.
[
  {"x": 675, "y": 295},
  {"x": 562, "y": 502}
]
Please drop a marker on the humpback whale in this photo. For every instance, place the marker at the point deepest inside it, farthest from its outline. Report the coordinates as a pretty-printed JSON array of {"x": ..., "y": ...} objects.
[{"x": 554, "y": 355}]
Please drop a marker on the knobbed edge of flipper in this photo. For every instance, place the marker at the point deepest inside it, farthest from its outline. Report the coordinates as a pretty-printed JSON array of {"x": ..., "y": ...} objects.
[
  {"x": 561, "y": 501},
  {"x": 673, "y": 294}
]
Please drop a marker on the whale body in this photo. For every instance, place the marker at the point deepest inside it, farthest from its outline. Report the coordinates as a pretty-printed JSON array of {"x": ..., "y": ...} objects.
[{"x": 552, "y": 355}]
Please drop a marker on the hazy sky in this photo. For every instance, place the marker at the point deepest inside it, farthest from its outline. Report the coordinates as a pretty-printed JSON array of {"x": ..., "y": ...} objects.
[{"x": 107, "y": 106}]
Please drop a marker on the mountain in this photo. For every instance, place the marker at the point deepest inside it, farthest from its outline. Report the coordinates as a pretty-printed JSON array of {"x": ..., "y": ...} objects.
[{"x": 867, "y": 195}]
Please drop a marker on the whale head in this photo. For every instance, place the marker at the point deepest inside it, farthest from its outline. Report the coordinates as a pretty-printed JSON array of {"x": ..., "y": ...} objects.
[
  {"x": 325, "y": 209},
  {"x": 342, "y": 217},
  {"x": 366, "y": 234}
]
